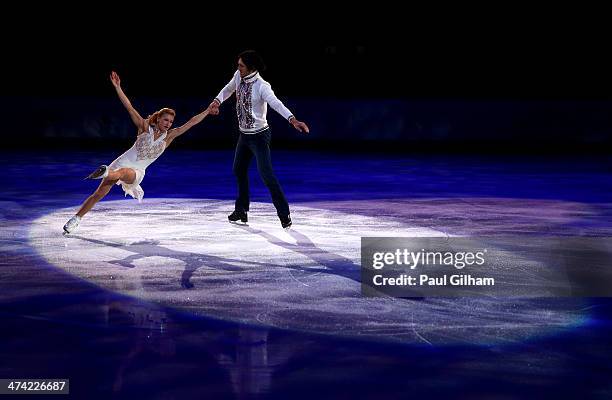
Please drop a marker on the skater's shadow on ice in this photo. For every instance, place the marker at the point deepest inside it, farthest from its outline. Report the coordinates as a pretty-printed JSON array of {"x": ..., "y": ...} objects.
[
  {"x": 193, "y": 261},
  {"x": 331, "y": 263}
]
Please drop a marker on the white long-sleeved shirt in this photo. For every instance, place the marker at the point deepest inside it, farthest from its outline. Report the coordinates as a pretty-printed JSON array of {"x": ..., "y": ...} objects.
[{"x": 253, "y": 95}]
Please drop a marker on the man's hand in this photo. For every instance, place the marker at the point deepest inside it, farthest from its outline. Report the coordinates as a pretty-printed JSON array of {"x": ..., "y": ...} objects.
[
  {"x": 299, "y": 125},
  {"x": 213, "y": 108}
]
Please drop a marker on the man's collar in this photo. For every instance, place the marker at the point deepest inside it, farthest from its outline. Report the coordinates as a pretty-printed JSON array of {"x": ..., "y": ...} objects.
[{"x": 252, "y": 77}]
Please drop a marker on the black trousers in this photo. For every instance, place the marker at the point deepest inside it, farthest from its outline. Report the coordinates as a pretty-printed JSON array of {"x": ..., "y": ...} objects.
[{"x": 257, "y": 145}]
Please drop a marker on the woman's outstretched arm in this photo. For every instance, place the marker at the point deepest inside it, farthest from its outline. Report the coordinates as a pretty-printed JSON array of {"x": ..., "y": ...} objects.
[
  {"x": 136, "y": 118},
  {"x": 196, "y": 119}
]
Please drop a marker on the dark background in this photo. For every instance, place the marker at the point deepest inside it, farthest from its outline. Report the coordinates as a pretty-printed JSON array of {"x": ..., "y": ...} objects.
[{"x": 503, "y": 80}]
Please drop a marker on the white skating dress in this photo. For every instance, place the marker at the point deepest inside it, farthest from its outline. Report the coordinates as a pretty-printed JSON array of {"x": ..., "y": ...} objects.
[{"x": 142, "y": 154}]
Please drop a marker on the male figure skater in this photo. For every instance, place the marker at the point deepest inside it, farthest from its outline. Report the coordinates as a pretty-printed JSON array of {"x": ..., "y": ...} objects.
[{"x": 253, "y": 94}]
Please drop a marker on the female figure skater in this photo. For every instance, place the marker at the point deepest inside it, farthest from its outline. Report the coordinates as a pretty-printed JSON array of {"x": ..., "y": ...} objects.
[{"x": 154, "y": 136}]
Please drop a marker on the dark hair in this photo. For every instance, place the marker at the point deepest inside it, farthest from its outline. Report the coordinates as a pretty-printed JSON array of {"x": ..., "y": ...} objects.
[{"x": 252, "y": 60}]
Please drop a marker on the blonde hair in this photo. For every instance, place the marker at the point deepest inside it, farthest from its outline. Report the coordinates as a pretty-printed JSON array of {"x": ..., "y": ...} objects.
[{"x": 153, "y": 118}]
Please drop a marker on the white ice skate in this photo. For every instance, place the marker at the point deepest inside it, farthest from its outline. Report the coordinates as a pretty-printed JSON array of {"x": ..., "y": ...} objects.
[{"x": 72, "y": 224}]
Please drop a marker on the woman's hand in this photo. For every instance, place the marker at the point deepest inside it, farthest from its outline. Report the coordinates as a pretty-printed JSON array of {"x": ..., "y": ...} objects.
[{"x": 116, "y": 81}]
